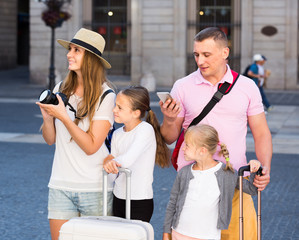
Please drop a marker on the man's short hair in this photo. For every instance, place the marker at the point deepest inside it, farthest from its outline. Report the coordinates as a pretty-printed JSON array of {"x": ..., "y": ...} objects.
[{"x": 212, "y": 32}]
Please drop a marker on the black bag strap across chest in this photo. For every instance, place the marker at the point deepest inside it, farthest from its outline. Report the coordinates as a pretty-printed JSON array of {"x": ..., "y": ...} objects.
[{"x": 223, "y": 89}]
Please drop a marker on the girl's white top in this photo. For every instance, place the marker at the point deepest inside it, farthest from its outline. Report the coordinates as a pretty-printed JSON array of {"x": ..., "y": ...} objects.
[
  {"x": 73, "y": 169},
  {"x": 135, "y": 150},
  {"x": 200, "y": 212}
]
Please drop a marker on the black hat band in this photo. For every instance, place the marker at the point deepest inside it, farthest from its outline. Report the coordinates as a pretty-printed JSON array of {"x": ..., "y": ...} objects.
[{"x": 87, "y": 46}]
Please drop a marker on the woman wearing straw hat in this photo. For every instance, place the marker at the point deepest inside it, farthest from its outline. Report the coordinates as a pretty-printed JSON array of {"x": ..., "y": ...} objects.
[{"x": 79, "y": 132}]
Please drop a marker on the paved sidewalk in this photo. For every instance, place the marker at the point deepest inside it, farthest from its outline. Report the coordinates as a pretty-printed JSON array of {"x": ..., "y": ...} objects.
[
  {"x": 283, "y": 120},
  {"x": 26, "y": 164},
  {"x": 15, "y": 84}
]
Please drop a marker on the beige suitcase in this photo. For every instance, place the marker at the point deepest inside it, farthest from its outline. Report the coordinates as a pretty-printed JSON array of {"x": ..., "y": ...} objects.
[{"x": 259, "y": 219}]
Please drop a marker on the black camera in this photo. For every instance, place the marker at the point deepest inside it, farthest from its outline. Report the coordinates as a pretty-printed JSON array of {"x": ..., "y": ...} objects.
[{"x": 47, "y": 97}]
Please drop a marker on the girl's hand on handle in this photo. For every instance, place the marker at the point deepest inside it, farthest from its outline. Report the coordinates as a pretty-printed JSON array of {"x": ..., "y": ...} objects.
[
  {"x": 109, "y": 157},
  {"x": 254, "y": 165},
  {"x": 167, "y": 236},
  {"x": 111, "y": 166}
]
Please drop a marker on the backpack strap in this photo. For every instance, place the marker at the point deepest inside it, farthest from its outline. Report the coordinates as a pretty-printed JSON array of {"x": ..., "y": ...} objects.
[
  {"x": 104, "y": 95},
  {"x": 101, "y": 100},
  {"x": 109, "y": 136},
  {"x": 223, "y": 89}
]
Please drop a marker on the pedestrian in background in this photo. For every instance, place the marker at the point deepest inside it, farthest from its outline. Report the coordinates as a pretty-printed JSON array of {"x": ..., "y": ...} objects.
[
  {"x": 79, "y": 132},
  {"x": 230, "y": 117},
  {"x": 259, "y": 75},
  {"x": 201, "y": 197},
  {"x": 138, "y": 145}
]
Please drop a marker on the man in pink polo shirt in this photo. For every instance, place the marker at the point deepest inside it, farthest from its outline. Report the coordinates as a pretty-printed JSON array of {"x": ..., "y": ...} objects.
[{"x": 242, "y": 105}]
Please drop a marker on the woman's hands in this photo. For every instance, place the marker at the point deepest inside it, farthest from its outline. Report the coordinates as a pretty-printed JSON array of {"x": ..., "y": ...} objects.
[{"x": 50, "y": 111}]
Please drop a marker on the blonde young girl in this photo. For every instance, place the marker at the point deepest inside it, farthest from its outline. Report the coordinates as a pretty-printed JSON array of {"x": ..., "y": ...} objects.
[
  {"x": 138, "y": 145},
  {"x": 200, "y": 204},
  {"x": 79, "y": 131}
]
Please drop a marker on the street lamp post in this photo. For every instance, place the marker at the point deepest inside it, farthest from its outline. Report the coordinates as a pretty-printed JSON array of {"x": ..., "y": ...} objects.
[
  {"x": 54, "y": 17},
  {"x": 52, "y": 75}
]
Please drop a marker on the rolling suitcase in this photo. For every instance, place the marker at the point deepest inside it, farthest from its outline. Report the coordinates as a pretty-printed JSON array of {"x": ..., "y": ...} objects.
[
  {"x": 108, "y": 227},
  {"x": 259, "y": 219}
]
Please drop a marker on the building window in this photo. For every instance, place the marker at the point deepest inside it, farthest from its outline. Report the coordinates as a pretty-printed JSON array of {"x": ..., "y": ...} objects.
[
  {"x": 111, "y": 19},
  {"x": 224, "y": 14}
]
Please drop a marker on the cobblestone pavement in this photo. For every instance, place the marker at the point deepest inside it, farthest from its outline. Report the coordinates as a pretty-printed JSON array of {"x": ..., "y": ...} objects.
[
  {"x": 25, "y": 170},
  {"x": 26, "y": 166}
]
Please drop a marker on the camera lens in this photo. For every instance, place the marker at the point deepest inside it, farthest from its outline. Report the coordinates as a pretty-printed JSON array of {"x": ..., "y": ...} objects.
[
  {"x": 47, "y": 97},
  {"x": 43, "y": 95}
]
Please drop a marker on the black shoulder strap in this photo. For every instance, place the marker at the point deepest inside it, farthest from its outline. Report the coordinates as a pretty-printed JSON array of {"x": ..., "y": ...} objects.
[
  {"x": 104, "y": 95},
  {"x": 223, "y": 89},
  {"x": 102, "y": 98}
]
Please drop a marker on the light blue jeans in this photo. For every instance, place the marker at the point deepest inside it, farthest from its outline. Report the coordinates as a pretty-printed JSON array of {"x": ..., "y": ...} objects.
[{"x": 66, "y": 205}]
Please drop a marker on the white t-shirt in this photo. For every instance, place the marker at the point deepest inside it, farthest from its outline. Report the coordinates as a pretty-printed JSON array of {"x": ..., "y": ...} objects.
[
  {"x": 199, "y": 215},
  {"x": 135, "y": 150},
  {"x": 261, "y": 71},
  {"x": 73, "y": 169}
]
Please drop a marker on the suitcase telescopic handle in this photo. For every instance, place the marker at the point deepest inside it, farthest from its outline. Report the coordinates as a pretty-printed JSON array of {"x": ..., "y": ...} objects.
[
  {"x": 241, "y": 227},
  {"x": 247, "y": 169},
  {"x": 128, "y": 173}
]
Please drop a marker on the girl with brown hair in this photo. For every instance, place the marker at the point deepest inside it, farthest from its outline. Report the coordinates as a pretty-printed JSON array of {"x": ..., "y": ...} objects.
[
  {"x": 138, "y": 145},
  {"x": 78, "y": 131}
]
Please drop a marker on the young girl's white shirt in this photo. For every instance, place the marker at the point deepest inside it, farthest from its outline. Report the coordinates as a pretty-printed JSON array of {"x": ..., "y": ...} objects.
[
  {"x": 199, "y": 215},
  {"x": 135, "y": 150},
  {"x": 73, "y": 169}
]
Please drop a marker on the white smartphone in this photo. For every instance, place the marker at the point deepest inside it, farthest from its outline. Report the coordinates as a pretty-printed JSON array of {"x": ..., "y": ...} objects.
[{"x": 164, "y": 96}]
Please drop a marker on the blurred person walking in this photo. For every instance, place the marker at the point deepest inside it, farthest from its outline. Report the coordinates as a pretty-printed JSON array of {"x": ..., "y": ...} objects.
[{"x": 259, "y": 75}]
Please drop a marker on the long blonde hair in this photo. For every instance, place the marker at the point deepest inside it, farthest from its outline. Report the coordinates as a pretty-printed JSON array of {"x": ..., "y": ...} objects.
[
  {"x": 206, "y": 136},
  {"x": 94, "y": 75},
  {"x": 140, "y": 100}
]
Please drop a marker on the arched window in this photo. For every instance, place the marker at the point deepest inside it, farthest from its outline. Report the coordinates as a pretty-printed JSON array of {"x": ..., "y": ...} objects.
[
  {"x": 224, "y": 14},
  {"x": 111, "y": 19}
]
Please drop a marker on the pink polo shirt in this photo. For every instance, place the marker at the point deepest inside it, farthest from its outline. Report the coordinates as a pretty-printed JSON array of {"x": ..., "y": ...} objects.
[{"x": 228, "y": 117}]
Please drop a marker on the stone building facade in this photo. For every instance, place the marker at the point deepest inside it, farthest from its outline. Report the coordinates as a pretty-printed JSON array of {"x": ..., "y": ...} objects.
[
  {"x": 155, "y": 36},
  {"x": 281, "y": 49},
  {"x": 8, "y": 30}
]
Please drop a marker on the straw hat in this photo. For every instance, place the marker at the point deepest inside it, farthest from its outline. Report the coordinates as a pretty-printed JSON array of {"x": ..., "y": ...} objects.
[{"x": 90, "y": 41}]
